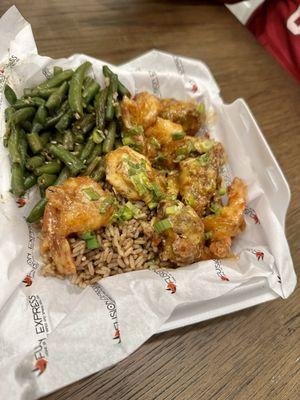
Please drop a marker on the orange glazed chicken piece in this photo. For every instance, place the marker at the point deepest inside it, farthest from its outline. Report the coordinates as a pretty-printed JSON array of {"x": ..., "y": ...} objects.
[
  {"x": 79, "y": 205},
  {"x": 224, "y": 227}
]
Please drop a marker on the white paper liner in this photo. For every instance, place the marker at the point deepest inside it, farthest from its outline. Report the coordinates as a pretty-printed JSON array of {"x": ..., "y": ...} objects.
[{"x": 53, "y": 333}]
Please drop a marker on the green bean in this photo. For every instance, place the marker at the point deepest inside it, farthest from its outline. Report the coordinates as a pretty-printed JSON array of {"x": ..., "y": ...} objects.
[
  {"x": 54, "y": 120},
  {"x": 87, "y": 80},
  {"x": 41, "y": 116},
  {"x": 118, "y": 143},
  {"x": 90, "y": 91},
  {"x": 51, "y": 121},
  {"x": 34, "y": 142},
  {"x": 64, "y": 174},
  {"x": 59, "y": 137},
  {"x": 35, "y": 162},
  {"x": 9, "y": 111},
  {"x": 99, "y": 172},
  {"x": 64, "y": 121},
  {"x": 13, "y": 145},
  {"x": 91, "y": 166},
  {"x": 17, "y": 180},
  {"x": 85, "y": 124},
  {"x": 78, "y": 149},
  {"x": 44, "y": 93},
  {"x": 27, "y": 125},
  {"x": 42, "y": 191},
  {"x": 97, "y": 136},
  {"x": 111, "y": 92},
  {"x": 75, "y": 91},
  {"x": 86, "y": 151},
  {"x": 78, "y": 137},
  {"x": 38, "y": 211},
  {"x": 29, "y": 102},
  {"x": 57, "y": 70},
  {"x": 68, "y": 141},
  {"x": 118, "y": 110},
  {"x": 46, "y": 180},
  {"x": 56, "y": 98},
  {"x": 56, "y": 80},
  {"x": 71, "y": 161},
  {"x": 36, "y": 127},
  {"x": 10, "y": 95},
  {"x": 96, "y": 152},
  {"x": 52, "y": 167},
  {"x": 23, "y": 114},
  {"x": 122, "y": 90},
  {"x": 100, "y": 106},
  {"x": 29, "y": 181},
  {"x": 23, "y": 145},
  {"x": 109, "y": 141},
  {"x": 45, "y": 137}
]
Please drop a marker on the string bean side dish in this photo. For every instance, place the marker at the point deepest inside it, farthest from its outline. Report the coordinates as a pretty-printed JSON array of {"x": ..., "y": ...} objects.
[{"x": 126, "y": 183}]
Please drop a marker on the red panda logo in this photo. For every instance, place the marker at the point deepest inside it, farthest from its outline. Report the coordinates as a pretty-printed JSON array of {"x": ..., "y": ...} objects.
[
  {"x": 27, "y": 281},
  {"x": 172, "y": 287},
  {"x": 40, "y": 366},
  {"x": 259, "y": 255}
]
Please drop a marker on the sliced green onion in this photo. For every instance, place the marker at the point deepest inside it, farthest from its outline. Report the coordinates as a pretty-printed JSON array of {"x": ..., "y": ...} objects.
[
  {"x": 93, "y": 243},
  {"x": 105, "y": 204},
  {"x": 87, "y": 235},
  {"x": 191, "y": 201},
  {"x": 206, "y": 145},
  {"x": 178, "y": 135},
  {"x": 156, "y": 191},
  {"x": 204, "y": 159},
  {"x": 215, "y": 208},
  {"x": 91, "y": 194},
  {"x": 134, "y": 131},
  {"x": 162, "y": 225},
  {"x": 208, "y": 235},
  {"x": 91, "y": 240},
  {"x": 159, "y": 159},
  {"x": 155, "y": 143},
  {"x": 171, "y": 210},
  {"x": 222, "y": 191},
  {"x": 152, "y": 205},
  {"x": 200, "y": 108},
  {"x": 128, "y": 141}
]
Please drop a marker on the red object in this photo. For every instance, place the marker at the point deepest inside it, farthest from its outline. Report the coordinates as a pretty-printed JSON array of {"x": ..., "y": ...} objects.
[
  {"x": 172, "y": 287},
  {"x": 276, "y": 24},
  {"x": 21, "y": 202},
  {"x": 40, "y": 365},
  {"x": 27, "y": 281}
]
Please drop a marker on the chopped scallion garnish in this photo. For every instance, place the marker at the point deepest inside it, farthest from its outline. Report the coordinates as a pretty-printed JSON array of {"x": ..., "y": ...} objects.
[
  {"x": 222, "y": 191},
  {"x": 155, "y": 143},
  {"x": 200, "y": 108},
  {"x": 204, "y": 159},
  {"x": 92, "y": 244},
  {"x": 178, "y": 135},
  {"x": 162, "y": 225},
  {"x": 91, "y": 240},
  {"x": 108, "y": 201},
  {"x": 208, "y": 235},
  {"x": 215, "y": 208},
  {"x": 91, "y": 194},
  {"x": 206, "y": 145}
]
